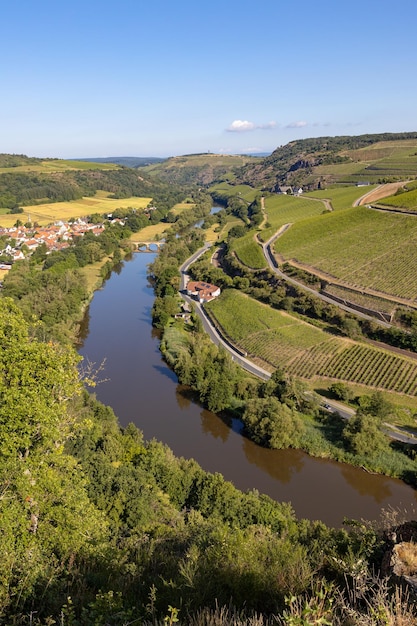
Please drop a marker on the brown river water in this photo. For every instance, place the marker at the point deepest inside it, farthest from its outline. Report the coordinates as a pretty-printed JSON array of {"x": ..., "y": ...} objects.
[{"x": 142, "y": 389}]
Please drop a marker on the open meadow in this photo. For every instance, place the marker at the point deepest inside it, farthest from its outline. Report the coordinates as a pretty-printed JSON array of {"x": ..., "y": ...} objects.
[
  {"x": 305, "y": 351},
  {"x": 365, "y": 248},
  {"x": 54, "y": 211}
]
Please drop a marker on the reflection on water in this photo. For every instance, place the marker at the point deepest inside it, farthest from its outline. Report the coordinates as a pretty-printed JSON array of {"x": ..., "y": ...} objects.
[
  {"x": 143, "y": 389},
  {"x": 281, "y": 465}
]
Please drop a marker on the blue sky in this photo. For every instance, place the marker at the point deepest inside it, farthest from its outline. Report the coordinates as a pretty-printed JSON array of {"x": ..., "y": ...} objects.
[{"x": 162, "y": 78}]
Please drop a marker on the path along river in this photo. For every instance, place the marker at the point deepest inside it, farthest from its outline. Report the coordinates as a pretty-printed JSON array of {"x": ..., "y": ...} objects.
[{"x": 143, "y": 390}]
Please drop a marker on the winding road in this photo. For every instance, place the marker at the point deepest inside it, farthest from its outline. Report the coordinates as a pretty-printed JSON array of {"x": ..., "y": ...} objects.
[{"x": 331, "y": 406}]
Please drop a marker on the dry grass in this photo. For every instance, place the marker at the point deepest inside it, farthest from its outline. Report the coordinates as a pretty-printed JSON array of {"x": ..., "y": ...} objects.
[
  {"x": 150, "y": 233},
  {"x": 54, "y": 211},
  {"x": 407, "y": 553}
]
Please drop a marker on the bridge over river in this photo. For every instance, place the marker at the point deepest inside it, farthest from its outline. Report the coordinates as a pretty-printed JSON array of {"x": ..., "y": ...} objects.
[{"x": 148, "y": 246}]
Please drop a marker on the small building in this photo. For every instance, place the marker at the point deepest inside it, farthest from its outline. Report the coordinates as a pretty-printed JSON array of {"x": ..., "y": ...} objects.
[
  {"x": 285, "y": 189},
  {"x": 201, "y": 291}
]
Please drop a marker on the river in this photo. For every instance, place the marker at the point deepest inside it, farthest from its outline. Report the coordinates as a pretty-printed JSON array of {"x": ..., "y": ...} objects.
[{"x": 142, "y": 389}]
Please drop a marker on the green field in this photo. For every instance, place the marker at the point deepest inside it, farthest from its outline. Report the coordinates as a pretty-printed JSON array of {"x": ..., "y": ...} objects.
[
  {"x": 51, "y": 212},
  {"x": 248, "y": 251},
  {"x": 283, "y": 209},
  {"x": 227, "y": 191},
  {"x": 341, "y": 197},
  {"x": 305, "y": 351},
  {"x": 364, "y": 248},
  {"x": 406, "y": 200}
]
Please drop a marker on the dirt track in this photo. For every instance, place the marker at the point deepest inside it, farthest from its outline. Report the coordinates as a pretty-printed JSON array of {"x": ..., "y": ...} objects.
[{"x": 380, "y": 192}]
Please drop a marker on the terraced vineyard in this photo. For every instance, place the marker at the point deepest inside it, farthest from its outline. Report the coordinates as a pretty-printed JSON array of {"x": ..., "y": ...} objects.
[
  {"x": 366, "y": 249},
  {"x": 248, "y": 251},
  {"x": 283, "y": 209},
  {"x": 306, "y": 351},
  {"x": 341, "y": 197},
  {"x": 407, "y": 200}
]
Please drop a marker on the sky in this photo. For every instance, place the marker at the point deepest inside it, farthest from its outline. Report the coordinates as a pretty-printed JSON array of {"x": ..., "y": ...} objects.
[{"x": 84, "y": 78}]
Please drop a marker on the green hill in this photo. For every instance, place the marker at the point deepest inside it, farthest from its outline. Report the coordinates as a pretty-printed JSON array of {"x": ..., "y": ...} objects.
[
  {"x": 200, "y": 169},
  {"x": 322, "y": 161}
]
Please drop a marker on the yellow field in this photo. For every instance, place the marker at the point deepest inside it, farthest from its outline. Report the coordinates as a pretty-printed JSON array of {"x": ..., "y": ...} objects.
[
  {"x": 59, "y": 165},
  {"x": 150, "y": 233},
  {"x": 51, "y": 212}
]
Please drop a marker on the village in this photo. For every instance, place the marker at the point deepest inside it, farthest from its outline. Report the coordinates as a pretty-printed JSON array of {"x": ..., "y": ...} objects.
[{"x": 20, "y": 241}]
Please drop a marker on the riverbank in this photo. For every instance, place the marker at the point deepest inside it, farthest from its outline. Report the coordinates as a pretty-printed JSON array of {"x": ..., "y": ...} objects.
[{"x": 284, "y": 415}]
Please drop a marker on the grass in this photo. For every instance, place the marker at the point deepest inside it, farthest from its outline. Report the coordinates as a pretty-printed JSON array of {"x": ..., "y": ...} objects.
[
  {"x": 227, "y": 191},
  {"x": 341, "y": 197},
  {"x": 283, "y": 209},
  {"x": 150, "y": 233},
  {"x": 54, "y": 211},
  {"x": 248, "y": 251},
  {"x": 406, "y": 200},
  {"x": 306, "y": 351},
  {"x": 58, "y": 165},
  {"x": 180, "y": 207},
  {"x": 365, "y": 249}
]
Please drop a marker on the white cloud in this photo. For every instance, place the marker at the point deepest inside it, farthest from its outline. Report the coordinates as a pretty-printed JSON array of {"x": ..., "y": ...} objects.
[
  {"x": 243, "y": 126},
  {"x": 240, "y": 126},
  {"x": 299, "y": 124}
]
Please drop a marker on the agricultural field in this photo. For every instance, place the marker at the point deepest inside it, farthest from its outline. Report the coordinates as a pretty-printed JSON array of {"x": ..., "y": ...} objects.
[
  {"x": 306, "y": 351},
  {"x": 282, "y": 209},
  {"x": 248, "y": 251},
  {"x": 366, "y": 249},
  {"x": 58, "y": 165},
  {"x": 362, "y": 299},
  {"x": 153, "y": 232},
  {"x": 338, "y": 170},
  {"x": 341, "y": 197},
  {"x": 54, "y": 211},
  {"x": 227, "y": 191},
  {"x": 406, "y": 200}
]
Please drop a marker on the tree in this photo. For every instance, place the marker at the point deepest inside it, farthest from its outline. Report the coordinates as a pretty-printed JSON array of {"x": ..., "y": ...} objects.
[
  {"x": 363, "y": 435},
  {"x": 271, "y": 423},
  {"x": 46, "y": 518}
]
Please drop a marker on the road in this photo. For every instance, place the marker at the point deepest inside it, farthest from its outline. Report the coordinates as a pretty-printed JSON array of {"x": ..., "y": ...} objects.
[
  {"x": 332, "y": 406},
  {"x": 269, "y": 256},
  {"x": 210, "y": 329}
]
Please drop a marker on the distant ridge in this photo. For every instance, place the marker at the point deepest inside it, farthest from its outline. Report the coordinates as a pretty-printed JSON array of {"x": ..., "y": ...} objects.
[{"x": 128, "y": 161}]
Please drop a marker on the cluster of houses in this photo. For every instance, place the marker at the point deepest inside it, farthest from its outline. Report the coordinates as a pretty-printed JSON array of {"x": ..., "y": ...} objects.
[
  {"x": 287, "y": 189},
  {"x": 23, "y": 240}
]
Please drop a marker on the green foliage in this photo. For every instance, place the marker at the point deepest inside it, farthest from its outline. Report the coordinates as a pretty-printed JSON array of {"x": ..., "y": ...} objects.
[
  {"x": 363, "y": 435},
  {"x": 272, "y": 424}
]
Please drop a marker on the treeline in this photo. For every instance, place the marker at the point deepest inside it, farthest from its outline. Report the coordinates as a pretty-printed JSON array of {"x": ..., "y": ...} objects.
[{"x": 19, "y": 189}]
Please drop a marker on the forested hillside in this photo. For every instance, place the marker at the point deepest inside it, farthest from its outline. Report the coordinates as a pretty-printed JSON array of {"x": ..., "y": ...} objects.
[{"x": 25, "y": 188}]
